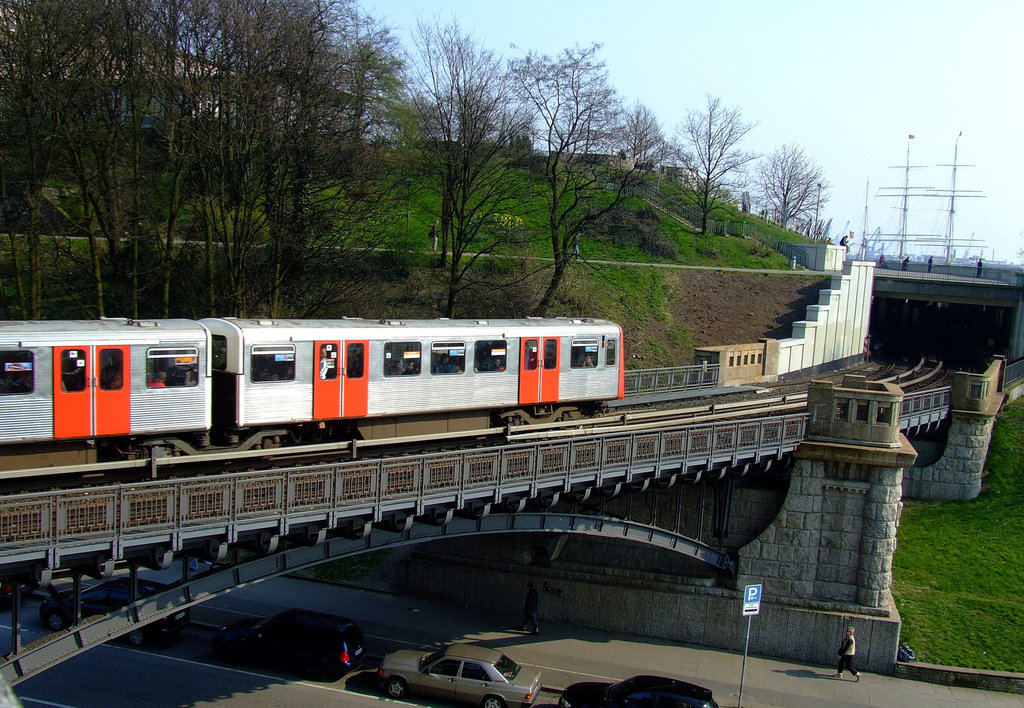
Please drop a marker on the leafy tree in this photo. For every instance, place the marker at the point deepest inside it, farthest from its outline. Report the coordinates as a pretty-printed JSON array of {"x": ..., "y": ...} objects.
[{"x": 708, "y": 145}]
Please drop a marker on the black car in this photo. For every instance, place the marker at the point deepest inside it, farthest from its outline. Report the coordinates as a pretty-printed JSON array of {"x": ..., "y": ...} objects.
[
  {"x": 106, "y": 597},
  {"x": 315, "y": 644},
  {"x": 652, "y": 691}
]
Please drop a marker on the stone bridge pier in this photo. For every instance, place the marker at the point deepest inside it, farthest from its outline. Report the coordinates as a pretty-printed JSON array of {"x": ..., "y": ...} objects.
[{"x": 825, "y": 561}]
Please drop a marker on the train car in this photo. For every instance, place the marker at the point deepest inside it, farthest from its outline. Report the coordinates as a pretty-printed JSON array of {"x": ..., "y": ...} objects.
[
  {"x": 68, "y": 388},
  {"x": 370, "y": 379}
]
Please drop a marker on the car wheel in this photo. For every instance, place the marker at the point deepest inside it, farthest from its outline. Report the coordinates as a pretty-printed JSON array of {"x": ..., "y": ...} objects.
[
  {"x": 135, "y": 637},
  {"x": 396, "y": 687},
  {"x": 55, "y": 620},
  {"x": 492, "y": 702},
  {"x": 315, "y": 669}
]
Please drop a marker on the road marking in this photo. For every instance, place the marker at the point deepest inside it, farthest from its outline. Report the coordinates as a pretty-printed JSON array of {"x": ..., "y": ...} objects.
[{"x": 27, "y": 699}]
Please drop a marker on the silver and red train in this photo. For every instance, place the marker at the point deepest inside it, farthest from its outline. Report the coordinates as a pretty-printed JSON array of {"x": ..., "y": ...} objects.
[{"x": 72, "y": 389}]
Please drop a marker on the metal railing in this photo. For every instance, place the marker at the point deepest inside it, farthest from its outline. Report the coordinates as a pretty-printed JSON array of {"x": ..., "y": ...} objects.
[
  {"x": 924, "y": 408},
  {"x": 44, "y": 527},
  {"x": 645, "y": 382}
]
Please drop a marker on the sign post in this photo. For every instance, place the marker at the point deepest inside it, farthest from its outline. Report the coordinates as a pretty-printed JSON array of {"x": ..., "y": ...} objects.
[{"x": 751, "y": 607}]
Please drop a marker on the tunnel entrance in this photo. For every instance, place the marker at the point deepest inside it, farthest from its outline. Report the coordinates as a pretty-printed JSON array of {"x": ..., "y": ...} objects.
[{"x": 964, "y": 336}]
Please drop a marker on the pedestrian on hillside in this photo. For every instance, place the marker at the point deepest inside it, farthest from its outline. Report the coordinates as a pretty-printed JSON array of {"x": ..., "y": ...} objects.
[
  {"x": 530, "y": 610},
  {"x": 931, "y": 262},
  {"x": 433, "y": 236},
  {"x": 576, "y": 247},
  {"x": 847, "y": 650},
  {"x": 906, "y": 262},
  {"x": 978, "y": 274}
]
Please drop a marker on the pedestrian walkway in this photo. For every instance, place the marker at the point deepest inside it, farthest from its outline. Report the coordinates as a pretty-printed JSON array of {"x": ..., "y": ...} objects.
[{"x": 566, "y": 654}]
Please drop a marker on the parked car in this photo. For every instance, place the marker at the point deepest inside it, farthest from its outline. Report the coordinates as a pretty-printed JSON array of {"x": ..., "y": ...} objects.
[
  {"x": 103, "y": 599},
  {"x": 316, "y": 644},
  {"x": 637, "y": 691},
  {"x": 466, "y": 673}
]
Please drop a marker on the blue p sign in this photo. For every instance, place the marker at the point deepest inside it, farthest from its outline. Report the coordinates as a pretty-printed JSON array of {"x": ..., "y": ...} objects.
[{"x": 752, "y": 593}]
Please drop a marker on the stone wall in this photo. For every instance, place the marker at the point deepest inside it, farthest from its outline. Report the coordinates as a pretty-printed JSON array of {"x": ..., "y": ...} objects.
[
  {"x": 956, "y": 476},
  {"x": 660, "y": 606}
]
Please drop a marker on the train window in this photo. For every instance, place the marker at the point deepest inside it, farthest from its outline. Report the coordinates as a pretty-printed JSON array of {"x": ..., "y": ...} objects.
[
  {"x": 111, "y": 369},
  {"x": 490, "y": 355},
  {"x": 402, "y": 359},
  {"x": 17, "y": 372},
  {"x": 530, "y": 357},
  {"x": 72, "y": 370},
  {"x": 172, "y": 367},
  {"x": 273, "y": 362},
  {"x": 447, "y": 357},
  {"x": 354, "y": 360},
  {"x": 550, "y": 354},
  {"x": 327, "y": 363},
  {"x": 611, "y": 352},
  {"x": 219, "y": 352},
  {"x": 583, "y": 353}
]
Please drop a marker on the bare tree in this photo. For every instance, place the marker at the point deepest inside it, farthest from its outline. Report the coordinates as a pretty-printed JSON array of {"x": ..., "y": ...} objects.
[
  {"x": 708, "y": 145},
  {"x": 469, "y": 122},
  {"x": 578, "y": 128},
  {"x": 791, "y": 185},
  {"x": 645, "y": 141}
]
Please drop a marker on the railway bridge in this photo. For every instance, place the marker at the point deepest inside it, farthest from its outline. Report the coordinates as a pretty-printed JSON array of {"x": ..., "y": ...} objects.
[{"x": 714, "y": 497}]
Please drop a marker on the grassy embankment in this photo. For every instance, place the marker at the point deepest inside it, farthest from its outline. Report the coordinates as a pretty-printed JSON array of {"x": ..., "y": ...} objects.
[{"x": 958, "y": 566}]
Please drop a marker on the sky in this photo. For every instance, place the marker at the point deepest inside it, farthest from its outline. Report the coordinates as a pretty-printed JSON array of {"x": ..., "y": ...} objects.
[{"x": 846, "y": 80}]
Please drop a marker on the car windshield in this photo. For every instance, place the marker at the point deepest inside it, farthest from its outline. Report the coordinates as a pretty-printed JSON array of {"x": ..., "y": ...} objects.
[{"x": 507, "y": 668}]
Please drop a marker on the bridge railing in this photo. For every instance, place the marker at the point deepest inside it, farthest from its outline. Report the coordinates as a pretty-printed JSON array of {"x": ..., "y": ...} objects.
[
  {"x": 43, "y": 527},
  {"x": 923, "y": 408},
  {"x": 645, "y": 382},
  {"x": 1013, "y": 371}
]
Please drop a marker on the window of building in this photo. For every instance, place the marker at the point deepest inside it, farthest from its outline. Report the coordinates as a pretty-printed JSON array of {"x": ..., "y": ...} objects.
[
  {"x": 167, "y": 367},
  {"x": 354, "y": 360},
  {"x": 862, "y": 411},
  {"x": 583, "y": 353},
  {"x": 490, "y": 355},
  {"x": 842, "y": 409},
  {"x": 111, "y": 369},
  {"x": 17, "y": 372},
  {"x": 402, "y": 358},
  {"x": 885, "y": 413},
  {"x": 447, "y": 357},
  {"x": 272, "y": 362}
]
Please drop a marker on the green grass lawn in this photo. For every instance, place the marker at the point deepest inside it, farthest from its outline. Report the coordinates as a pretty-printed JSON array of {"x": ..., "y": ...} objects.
[{"x": 959, "y": 565}]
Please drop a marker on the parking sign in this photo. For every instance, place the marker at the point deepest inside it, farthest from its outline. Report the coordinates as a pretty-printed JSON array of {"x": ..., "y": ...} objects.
[{"x": 751, "y": 600}]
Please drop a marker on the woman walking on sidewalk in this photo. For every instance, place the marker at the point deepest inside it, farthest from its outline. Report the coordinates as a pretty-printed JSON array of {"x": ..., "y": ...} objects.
[{"x": 847, "y": 650}]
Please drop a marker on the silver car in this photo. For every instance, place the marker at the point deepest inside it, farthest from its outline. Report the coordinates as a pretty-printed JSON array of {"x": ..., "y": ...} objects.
[{"x": 466, "y": 673}]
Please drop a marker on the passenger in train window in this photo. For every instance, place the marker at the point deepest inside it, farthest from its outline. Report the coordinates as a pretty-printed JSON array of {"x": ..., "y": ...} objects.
[
  {"x": 588, "y": 361},
  {"x": 158, "y": 380}
]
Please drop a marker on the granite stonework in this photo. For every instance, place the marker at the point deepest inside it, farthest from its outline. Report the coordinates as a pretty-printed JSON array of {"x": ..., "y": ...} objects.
[{"x": 975, "y": 400}]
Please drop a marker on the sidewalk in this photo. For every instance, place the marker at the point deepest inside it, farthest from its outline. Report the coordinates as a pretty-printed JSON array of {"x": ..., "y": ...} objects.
[{"x": 566, "y": 654}]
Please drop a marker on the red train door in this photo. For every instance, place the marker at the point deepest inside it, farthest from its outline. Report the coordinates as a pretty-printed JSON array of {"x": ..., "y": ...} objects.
[
  {"x": 538, "y": 370},
  {"x": 549, "y": 374},
  {"x": 72, "y": 402},
  {"x": 529, "y": 370},
  {"x": 327, "y": 381},
  {"x": 112, "y": 390},
  {"x": 357, "y": 387}
]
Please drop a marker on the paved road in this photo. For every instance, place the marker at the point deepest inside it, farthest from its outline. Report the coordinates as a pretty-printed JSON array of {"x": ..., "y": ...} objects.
[{"x": 187, "y": 673}]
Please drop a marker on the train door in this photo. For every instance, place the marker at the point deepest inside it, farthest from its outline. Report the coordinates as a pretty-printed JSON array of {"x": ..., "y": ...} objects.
[
  {"x": 72, "y": 403},
  {"x": 327, "y": 381},
  {"x": 91, "y": 395},
  {"x": 112, "y": 392},
  {"x": 340, "y": 386},
  {"x": 538, "y": 370},
  {"x": 356, "y": 393}
]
